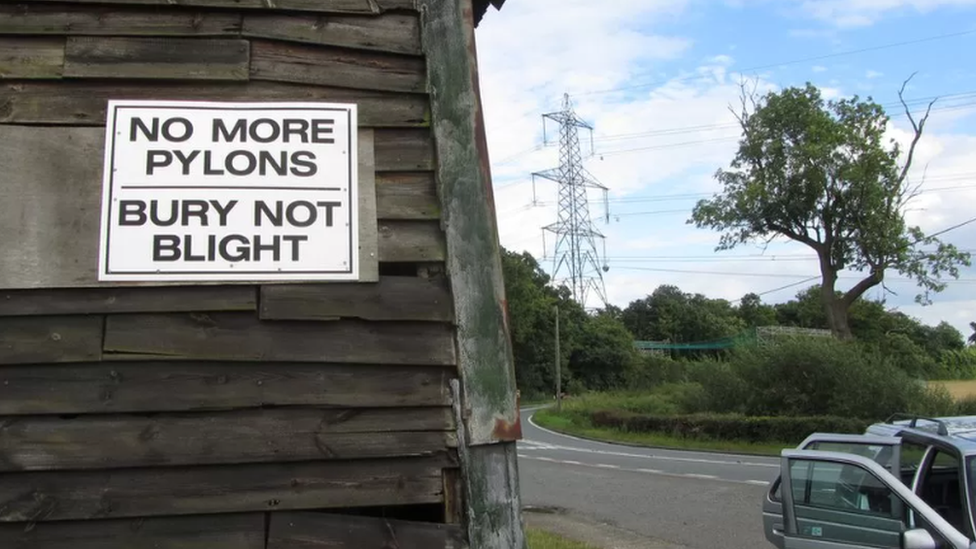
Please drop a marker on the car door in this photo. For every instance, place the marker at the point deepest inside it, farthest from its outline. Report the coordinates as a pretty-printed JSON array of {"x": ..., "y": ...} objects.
[
  {"x": 841, "y": 500},
  {"x": 885, "y": 450}
]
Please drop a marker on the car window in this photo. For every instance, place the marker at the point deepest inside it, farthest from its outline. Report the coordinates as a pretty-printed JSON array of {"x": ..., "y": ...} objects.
[
  {"x": 844, "y": 503},
  {"x": 941, "y": 488},
  {"x": 840, "y": 487},
  {"x": 912, "y": 454},
  {"x": 882, "y": 454}
]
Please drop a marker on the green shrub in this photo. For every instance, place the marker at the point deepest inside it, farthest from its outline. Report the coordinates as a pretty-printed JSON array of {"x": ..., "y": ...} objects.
[
  {"x": 725, "y": 391},
  {"x": 728, "y": 426},
  {"x": 662, "y": 402},
  {"x": 903, "y": 353},
  {"x": 957, "y": 364},
  {"x": 966, "y": 406},
  {"x": 654, "y": 370},
  {"x": 823, "y": 377}
]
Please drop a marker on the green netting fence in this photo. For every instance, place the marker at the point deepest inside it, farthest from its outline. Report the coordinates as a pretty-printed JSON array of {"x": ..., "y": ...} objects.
[{"x": 748, "y": 337}]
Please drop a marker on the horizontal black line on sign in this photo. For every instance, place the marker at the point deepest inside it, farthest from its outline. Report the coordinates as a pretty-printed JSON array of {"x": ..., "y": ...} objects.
[{"x": 227, "y": 187}]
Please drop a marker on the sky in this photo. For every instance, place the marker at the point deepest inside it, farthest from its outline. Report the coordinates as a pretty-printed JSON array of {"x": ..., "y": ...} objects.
[{"x": 656, "y": 79}]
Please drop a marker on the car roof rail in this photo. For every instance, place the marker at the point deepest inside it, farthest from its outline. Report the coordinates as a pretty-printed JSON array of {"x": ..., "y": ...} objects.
[{"x": 943, "y": 429}]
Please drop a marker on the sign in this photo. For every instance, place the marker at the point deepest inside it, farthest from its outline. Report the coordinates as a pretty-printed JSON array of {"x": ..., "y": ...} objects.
[{"x": 205, "y": 191}]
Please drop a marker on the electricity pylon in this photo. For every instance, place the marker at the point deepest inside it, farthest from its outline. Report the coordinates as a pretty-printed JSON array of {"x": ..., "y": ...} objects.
[{"x": 576, "y": 259}]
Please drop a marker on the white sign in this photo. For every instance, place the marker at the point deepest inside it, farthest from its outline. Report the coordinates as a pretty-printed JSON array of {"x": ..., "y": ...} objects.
[{"x": 204, "y": 191}]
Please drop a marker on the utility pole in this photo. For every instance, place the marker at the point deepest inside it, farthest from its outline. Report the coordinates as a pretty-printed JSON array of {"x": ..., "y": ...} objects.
[
  {"x": 559, "y": 377},
  {"x": 576, "y": 259}
]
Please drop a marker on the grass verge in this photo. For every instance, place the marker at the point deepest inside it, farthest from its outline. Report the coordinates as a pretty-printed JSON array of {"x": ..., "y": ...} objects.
[
  {"x": 577, "y": 424},
  {"x": 540, "y": 539}
]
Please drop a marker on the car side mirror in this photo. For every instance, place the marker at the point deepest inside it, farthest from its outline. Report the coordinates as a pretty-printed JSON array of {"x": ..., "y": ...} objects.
[{"x": 918, "y": 538}]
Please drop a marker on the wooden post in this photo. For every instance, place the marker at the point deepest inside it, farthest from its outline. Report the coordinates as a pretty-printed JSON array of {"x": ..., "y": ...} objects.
[
  {"x": 559, "y": 377},
  {"x": 487, "y": 390}
]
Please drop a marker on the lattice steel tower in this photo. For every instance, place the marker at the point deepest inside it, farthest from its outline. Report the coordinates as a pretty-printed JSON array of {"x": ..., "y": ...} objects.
[{"x": 576, "y": 259}]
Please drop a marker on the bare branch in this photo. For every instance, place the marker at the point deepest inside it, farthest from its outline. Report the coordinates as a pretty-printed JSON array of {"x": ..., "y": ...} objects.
[{"x": 918, "y": 127}]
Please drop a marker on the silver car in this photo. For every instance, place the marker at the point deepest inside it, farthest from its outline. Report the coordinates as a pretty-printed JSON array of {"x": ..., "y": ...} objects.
[{"x": 906, "y": 483}]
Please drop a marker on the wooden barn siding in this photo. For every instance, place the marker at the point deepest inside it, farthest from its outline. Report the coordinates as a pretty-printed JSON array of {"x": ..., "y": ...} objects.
[{"x": 178, "y": 416}]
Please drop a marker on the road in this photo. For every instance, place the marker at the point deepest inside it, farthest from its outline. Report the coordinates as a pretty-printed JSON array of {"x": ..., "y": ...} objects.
[{"x": 689, "y": 499}]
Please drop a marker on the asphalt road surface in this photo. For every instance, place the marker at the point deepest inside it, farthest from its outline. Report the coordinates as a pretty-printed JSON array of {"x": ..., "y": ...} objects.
[{"x": 689, "y": 499}]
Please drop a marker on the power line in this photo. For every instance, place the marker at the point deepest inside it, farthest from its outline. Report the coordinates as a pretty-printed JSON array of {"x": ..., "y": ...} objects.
[
  {"x": 787, "y": 63},
  {"x": 731, "y": 138},
  {"x": 766, "y": 275},
  {"x": 781, "y": 288},
  {"x": 734, "y": 125},
  {"x": 673, "y": 198}
]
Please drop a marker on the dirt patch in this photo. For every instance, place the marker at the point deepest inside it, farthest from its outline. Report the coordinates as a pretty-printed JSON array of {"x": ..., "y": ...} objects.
[{"x": 586, "y": 530}]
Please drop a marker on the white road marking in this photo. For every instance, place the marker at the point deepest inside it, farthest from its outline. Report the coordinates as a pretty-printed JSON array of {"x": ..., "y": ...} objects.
[
  {"x": 633, "y": 455},
  {"x": 644, "y": 471}
]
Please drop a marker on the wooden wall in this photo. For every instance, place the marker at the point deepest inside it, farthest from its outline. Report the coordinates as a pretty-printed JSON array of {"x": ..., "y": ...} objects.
[{"x": 228, "y": 416}]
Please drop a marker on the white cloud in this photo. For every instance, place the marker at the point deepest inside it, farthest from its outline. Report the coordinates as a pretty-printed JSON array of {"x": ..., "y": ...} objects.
[
  {"x": 862, "y": 13},
  {"x": 818, "y": 68},
  {"x": 873, "y": 74}
]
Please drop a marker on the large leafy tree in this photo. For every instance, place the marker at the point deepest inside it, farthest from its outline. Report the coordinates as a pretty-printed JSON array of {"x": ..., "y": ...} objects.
[
  {"x": 820, "y": 173},
  {"x": 668, "y": 314}
]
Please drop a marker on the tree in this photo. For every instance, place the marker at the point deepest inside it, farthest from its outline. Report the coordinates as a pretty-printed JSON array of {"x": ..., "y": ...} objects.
[
  {"x": 818, "y": 173},
  {"x": 604, "y": 354},
  {"x": 668, "y": 314},
  {"x": 531, "y": 321},
  {"x": 754, "y": 313}
]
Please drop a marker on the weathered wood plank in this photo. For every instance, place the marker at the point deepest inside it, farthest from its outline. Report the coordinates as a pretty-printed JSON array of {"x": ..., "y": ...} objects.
[
  {"x": 32, "y": 19},
  {"x": 121, "y": 493},
  {"x": 369, "y": 254},
  {"x": 252, "y": 436},
  {"x": 411, "y": 241},
  {"x": 49, "y": 207},
  {"x": 83, "y": 102},
  {"x": 31, "y": 57},
  {"x": 404, "y": 150},
  {"x": 315, "y": 530},
  {"x": 328, "y": 66},
  {"x": 230, "y": 531},
  {"x": 367, "y": 7},
  {"x": 347, "y": 6},
  {"x": 72, "y": 301},
  {"x": 407, "y": 196},
  {"x": 394, "y": 33},
  {"x": 50, "y": 339},
  {"x": 177, "y": 386},
  {"x": 393, "y": 298},
  {"x": 241, "y": 336},
  {"x": 157, "y": 58},
  {"x": 453, "y": 497}
]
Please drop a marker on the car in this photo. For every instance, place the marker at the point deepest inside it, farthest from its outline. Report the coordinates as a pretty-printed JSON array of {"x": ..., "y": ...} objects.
[{"x": 906, "y": 483}]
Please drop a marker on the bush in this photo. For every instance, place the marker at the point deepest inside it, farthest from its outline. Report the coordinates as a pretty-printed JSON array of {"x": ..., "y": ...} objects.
[
  {"x": 728, "y": 426},
  {"x": 957, "y": 364},
  {"x": 966, "y": 406},
  {"x": 654, "y": 370},
  {"x": 824, "y": 377},
  {"x": 724, "y": 390}
]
